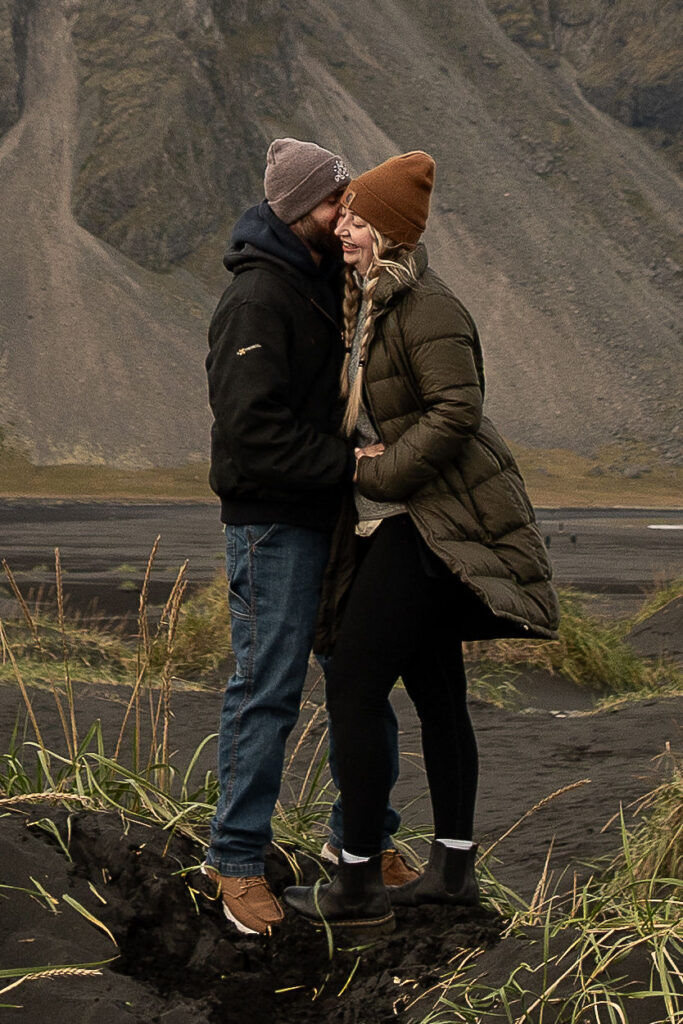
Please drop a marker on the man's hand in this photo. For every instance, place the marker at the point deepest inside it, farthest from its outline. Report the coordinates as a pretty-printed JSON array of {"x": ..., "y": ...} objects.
[{"x": 370, "y": 452}]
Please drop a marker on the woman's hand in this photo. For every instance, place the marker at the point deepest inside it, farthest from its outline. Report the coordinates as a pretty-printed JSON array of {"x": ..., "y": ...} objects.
[{"x": 371, "y": 451}]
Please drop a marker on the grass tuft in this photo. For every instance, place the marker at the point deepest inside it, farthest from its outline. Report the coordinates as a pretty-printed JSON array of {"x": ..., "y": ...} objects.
[
  {"x": 593, "y": 953},
  {"x": 579, "y": 939},
  {"x": 202, "y": 641},
  {"x": 592, "y": 653},
  {"x": 663, "y": 595}
]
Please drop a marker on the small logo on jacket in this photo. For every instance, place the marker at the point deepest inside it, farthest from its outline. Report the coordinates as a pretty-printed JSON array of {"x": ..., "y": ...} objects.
[{"x": 249, "y": 348}]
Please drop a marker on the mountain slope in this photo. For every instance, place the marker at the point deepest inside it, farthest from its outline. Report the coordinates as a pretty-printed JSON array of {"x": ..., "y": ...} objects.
[
  {"x": 555, "y": 224},
  {"x": 627, "y": 56},
  {"x": 101, "y": 360}
]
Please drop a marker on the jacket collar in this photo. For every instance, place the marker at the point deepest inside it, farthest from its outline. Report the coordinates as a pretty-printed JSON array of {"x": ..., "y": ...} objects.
[{"x": 388, "y": 289}]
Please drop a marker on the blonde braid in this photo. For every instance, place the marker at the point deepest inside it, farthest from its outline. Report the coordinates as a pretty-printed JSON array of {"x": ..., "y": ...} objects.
[
  {"x": 405, "y": 272},
  {"x": 356, "y": 391},
  {"x": 350, "y": 307}
]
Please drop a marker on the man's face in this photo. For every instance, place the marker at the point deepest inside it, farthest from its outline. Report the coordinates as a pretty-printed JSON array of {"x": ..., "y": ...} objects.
[{"x": 316, "y": 228}]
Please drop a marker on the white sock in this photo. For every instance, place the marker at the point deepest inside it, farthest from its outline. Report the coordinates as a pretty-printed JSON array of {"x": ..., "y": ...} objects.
[
  {"x": 457, "y": 844},
  {"x": 351, "y": 858}
]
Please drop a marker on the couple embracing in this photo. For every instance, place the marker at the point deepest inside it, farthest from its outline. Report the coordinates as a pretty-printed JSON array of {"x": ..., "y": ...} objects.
[{"x": 372, "y": 513}]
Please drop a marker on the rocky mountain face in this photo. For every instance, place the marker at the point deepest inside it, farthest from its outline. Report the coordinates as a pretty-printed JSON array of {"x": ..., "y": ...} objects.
[
  {"x": 626, "y": 56},
  {"x": 134, "y": 133}
]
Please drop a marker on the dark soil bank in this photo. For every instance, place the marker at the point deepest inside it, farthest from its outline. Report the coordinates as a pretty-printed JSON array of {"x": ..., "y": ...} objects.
[{"x": 177, "y": 960}]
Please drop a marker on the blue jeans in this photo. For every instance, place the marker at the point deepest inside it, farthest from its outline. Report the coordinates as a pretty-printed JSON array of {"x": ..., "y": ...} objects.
[{"x": 275, "y": 574}]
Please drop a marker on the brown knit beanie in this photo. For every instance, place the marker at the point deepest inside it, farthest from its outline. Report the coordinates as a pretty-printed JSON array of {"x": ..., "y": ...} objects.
[
  {"x": 394, "y": 197},
  {"x": 299, "y": 175}
]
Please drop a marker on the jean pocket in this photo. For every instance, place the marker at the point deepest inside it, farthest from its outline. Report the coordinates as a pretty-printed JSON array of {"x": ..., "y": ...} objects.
[
  {"x": 239, "y": 608},
  {"x": 257, "y": 535}
]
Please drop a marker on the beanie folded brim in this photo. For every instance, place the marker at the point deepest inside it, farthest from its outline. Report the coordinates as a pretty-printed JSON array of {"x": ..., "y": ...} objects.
[
  {"x": 299, "y": 176},
  {"x": 394, "y": 197},
  {"x": 362, "y": 201}
]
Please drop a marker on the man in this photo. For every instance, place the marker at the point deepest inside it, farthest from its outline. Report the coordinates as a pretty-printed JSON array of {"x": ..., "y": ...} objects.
[{"x": 278, "y": 466}]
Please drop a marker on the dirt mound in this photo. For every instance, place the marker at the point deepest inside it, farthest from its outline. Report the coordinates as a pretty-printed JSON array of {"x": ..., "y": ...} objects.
[
  {"x": 178, "y": 959},
  {"x": 661, "y": 635}
]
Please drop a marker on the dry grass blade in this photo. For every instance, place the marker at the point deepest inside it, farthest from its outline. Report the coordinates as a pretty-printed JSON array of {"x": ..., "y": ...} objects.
[
  {"x": 144, "y": 655},
  {"x": 544, "y": 997},
  {"x": 310, "y": 723},
  {"x": 47, "y": 796},
  {"x": 30, "y": 621},
  {"x": 612, "y": 1008},
  {"x": 304, "y": 734},
  {"x": 88, "y": 915},
  {"x": 144, "y": 647},
  {"x": 22, "y": 687},
  {"x": 131, "y": 702},
  {"x": 56, "y": 972},
  {"x": 538, "y": 900},
  {"x": 313, "y": 761},
  {"x": 169, "y": 617},
  {"x": 72, "y": 742},
  {"x": 176, "y": 601},
  {"x": 465, "y": 960},
  {"x": 532, "y": 810},
  {"x": 143, "y": 621}
]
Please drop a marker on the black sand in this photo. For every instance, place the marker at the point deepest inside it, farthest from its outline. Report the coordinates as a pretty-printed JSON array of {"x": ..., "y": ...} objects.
[
  {"x": 176, "y": 965},
  {"x": 178, "y": 962}
]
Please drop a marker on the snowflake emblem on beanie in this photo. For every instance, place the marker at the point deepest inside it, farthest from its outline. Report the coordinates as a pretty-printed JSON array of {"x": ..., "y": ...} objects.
[{"x": 341, "y": 172}]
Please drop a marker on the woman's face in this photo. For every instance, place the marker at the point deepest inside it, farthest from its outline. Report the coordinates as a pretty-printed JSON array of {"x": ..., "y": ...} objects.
[{"x": 356, "y": 241}]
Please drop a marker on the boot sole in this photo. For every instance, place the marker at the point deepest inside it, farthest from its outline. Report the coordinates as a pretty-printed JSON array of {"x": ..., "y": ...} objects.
[
  {"x": 375, "y": 926},
  {"x": 433, "y": 902}
]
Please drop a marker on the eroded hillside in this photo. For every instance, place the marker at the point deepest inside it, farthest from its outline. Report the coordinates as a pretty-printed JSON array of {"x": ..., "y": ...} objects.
[
  {"x": 138, "y": 133},
  {"x": 626, "y": 54}
]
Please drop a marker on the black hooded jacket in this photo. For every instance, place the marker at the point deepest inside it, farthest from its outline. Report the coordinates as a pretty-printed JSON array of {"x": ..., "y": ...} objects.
[{"x": 275, "y": 354}]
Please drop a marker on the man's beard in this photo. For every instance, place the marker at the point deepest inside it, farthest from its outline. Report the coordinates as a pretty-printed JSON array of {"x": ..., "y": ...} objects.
[{"x": 321, "y": 239}]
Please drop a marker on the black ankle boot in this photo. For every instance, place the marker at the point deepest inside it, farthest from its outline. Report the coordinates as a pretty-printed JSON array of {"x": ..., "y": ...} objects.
[
  {"x": 448, "y": 878},
  {"x": 356, "y": 898}
]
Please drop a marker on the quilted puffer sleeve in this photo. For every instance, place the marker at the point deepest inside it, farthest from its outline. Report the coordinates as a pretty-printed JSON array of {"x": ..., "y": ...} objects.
[{"x": 437, "y": 341}]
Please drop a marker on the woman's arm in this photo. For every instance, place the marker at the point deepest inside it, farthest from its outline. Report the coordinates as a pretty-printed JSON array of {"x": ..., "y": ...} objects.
[{"x": 439, "y": 341}]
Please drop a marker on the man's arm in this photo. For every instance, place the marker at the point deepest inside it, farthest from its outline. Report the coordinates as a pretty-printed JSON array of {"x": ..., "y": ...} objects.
[{"x": 249, "y": 388}]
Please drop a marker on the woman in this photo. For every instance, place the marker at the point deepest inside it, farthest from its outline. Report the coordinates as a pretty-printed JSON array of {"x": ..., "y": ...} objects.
[{"x": 444, "y": 549}]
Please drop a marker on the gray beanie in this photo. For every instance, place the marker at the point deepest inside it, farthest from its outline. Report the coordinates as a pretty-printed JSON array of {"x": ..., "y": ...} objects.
[{"x": 299, "y": 175}]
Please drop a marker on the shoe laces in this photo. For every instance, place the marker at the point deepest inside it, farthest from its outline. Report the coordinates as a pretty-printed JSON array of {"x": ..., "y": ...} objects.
[{"x": 255, "y": 882}]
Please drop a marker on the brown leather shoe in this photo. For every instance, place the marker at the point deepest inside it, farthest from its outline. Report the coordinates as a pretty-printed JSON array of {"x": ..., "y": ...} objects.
[
  {"x": 248, "y": 902},
  {"x": 395, "y": 868}
]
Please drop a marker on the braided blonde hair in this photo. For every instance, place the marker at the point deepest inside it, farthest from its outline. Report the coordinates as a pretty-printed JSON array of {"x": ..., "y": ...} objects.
[{"x": 385, "y": 256}]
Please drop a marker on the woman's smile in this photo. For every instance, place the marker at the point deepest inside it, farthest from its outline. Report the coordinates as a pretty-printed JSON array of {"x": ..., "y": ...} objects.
[{"x": 356, "y": 240}]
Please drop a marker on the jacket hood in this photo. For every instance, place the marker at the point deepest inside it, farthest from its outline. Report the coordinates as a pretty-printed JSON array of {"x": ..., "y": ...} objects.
[{"x": 259, "y": 234}]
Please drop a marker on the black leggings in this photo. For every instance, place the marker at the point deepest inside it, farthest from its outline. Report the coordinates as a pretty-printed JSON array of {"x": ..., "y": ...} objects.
[{"x": 401, "y": 620}]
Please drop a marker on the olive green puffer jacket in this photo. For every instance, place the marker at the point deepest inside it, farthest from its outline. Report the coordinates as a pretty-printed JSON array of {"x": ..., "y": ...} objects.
[{"x": 424, "y": 388}]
